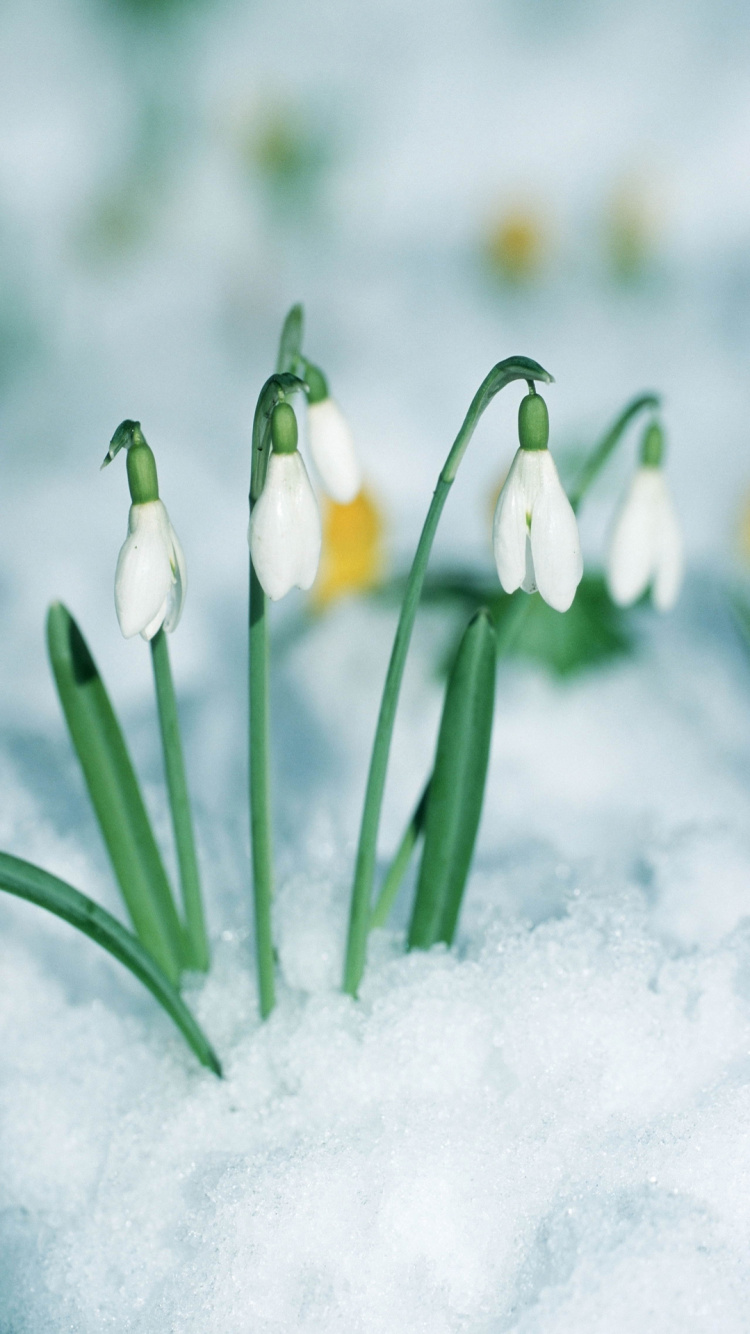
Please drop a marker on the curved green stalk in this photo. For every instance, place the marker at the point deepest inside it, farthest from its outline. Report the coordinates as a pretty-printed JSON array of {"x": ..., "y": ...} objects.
[
  {"x": 600, "y": 454},
  {"x": 275, "y": 388},
  {"x": 31, "y": 883},
  {"x": 397, "y": 868},
  {"x": 196, "y": 944},
  {"x": 514, "y": 368}
]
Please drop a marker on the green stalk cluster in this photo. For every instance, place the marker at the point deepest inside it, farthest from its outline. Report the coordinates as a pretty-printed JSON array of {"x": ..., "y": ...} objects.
[{"x": 447, "y": 815}]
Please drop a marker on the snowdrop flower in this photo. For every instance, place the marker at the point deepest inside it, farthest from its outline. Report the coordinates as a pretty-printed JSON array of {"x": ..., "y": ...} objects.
[
  {"x": 285, "y": 533},
  {"x": 331, "y": 441},
  {"x": 646, "y": 545},
  {"x": 151, "y": 577},
  {"x": 534, "y": 534}
]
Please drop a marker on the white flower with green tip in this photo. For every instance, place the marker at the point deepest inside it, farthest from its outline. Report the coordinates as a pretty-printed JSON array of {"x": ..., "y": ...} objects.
[
  {"x": 535, "y": 534},
  {"x": 285, "y": 533},
  {"x": 151, "y": 576},
  {"x": 646, "y": 548}
]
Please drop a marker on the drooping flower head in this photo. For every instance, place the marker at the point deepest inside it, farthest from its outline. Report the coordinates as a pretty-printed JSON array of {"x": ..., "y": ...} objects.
[
  {"x": 535, "y": 534},
  {"x": 151, "y": 576},
  {"x": 331, "y": 440},
  {"x": 285, "y": 533},
  {"x": 646, "y": 546}
]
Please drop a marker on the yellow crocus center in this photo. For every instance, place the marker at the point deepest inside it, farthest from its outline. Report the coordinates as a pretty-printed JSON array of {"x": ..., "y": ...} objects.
[{"x": 352, "y": 554}]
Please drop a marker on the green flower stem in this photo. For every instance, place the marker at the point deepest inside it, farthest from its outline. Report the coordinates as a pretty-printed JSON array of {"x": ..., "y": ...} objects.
[
  {"x": 506, "y": 635},
  {"x": 609, "y": 442},
  {"x": 259, "y": 672},
  {"x": 514, "y": 368},
  {"x": 196, "y": 943},
  {"x": 397, "y": 869},
  {"x": 260, "y": 793}
]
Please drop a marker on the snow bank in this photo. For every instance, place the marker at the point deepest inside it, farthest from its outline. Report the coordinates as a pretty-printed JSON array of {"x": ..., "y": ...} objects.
[{"x": 544, "y": 1130}]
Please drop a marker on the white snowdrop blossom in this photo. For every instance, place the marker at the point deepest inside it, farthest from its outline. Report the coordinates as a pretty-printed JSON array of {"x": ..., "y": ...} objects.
[
  {"x": 535, "y": 534},
  {"x": 333, "y": 452},
  {"x": 285, "y": 533},
  {"x": 151, "y": 576},
  {"x": 646, "y": 546}
]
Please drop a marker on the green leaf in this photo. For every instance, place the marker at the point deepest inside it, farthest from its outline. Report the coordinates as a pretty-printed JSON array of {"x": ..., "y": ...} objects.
[
  {"x": 457, "y": 787},
  {"x": 591, "y": 632},
  {"x": 37, "y": 886},
  {"x": 114, "y": 791}
]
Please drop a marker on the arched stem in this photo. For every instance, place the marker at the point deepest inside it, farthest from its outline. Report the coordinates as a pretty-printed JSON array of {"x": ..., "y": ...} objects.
[
  {"x": 601, "y": 453},
  {"x": 514, "y": 368}
]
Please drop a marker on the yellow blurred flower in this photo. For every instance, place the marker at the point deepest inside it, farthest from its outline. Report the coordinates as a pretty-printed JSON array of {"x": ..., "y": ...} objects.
[
  {"x": 515, "y": 245},
  {"x": 352, "y": 557}
]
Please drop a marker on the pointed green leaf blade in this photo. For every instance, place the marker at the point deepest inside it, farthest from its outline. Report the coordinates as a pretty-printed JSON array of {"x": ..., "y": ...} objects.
[
  {"x": 30, "y": 882},
  {"x": 114, "y": 791},
  {"x": 457, "y": 787}
]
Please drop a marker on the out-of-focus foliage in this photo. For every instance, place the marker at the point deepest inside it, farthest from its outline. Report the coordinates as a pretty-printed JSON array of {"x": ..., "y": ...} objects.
[
  {"x": 284, "y": 148},
  {"x": 146, "y": 9},
  {"x": 629, "y": 233},
  {"x": 121, "y": 218},
  {"x": 591, "y": 633}
]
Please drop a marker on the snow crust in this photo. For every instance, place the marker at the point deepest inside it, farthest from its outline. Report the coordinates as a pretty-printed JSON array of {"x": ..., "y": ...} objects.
[{"x": 543, "y": 1130}]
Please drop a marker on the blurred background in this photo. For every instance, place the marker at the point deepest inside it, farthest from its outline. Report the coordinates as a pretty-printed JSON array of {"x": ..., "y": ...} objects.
[{"x": 441, "y": 184}]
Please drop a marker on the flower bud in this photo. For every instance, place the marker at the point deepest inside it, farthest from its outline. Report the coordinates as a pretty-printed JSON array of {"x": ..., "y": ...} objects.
[
  {"x": 284, "y": 429},
  {"x": 533, "y": 422}
]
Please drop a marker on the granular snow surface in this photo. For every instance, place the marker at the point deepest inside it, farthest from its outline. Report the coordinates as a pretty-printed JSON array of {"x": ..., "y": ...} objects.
[{"x": 544, "y": 1129}]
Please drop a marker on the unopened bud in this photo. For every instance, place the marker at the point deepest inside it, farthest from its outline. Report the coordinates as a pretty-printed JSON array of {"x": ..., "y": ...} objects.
[
  {"x": 533, "y": 422},
  {"x": 284, "y": 429}
]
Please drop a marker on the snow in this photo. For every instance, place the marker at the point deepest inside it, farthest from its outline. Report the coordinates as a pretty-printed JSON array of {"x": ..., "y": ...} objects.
[{"x": 544, "y": 1130}]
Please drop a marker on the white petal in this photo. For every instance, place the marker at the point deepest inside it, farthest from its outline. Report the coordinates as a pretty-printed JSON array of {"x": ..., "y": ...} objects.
[
  {"x": 150, "y": 630},
  {"x": 285, "y": 534},
  {"x": 528, "y": 583},
  {"x": 176, "y": 597},
  {"x": 144, "y": 575},
  {"x": 555, "y": 544},
  {"x": 633, "y": 549},
  {"x": 670, "y": 560},
  {"x": 333, "y": 452},
  {"x": 509, "y": 527}
]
